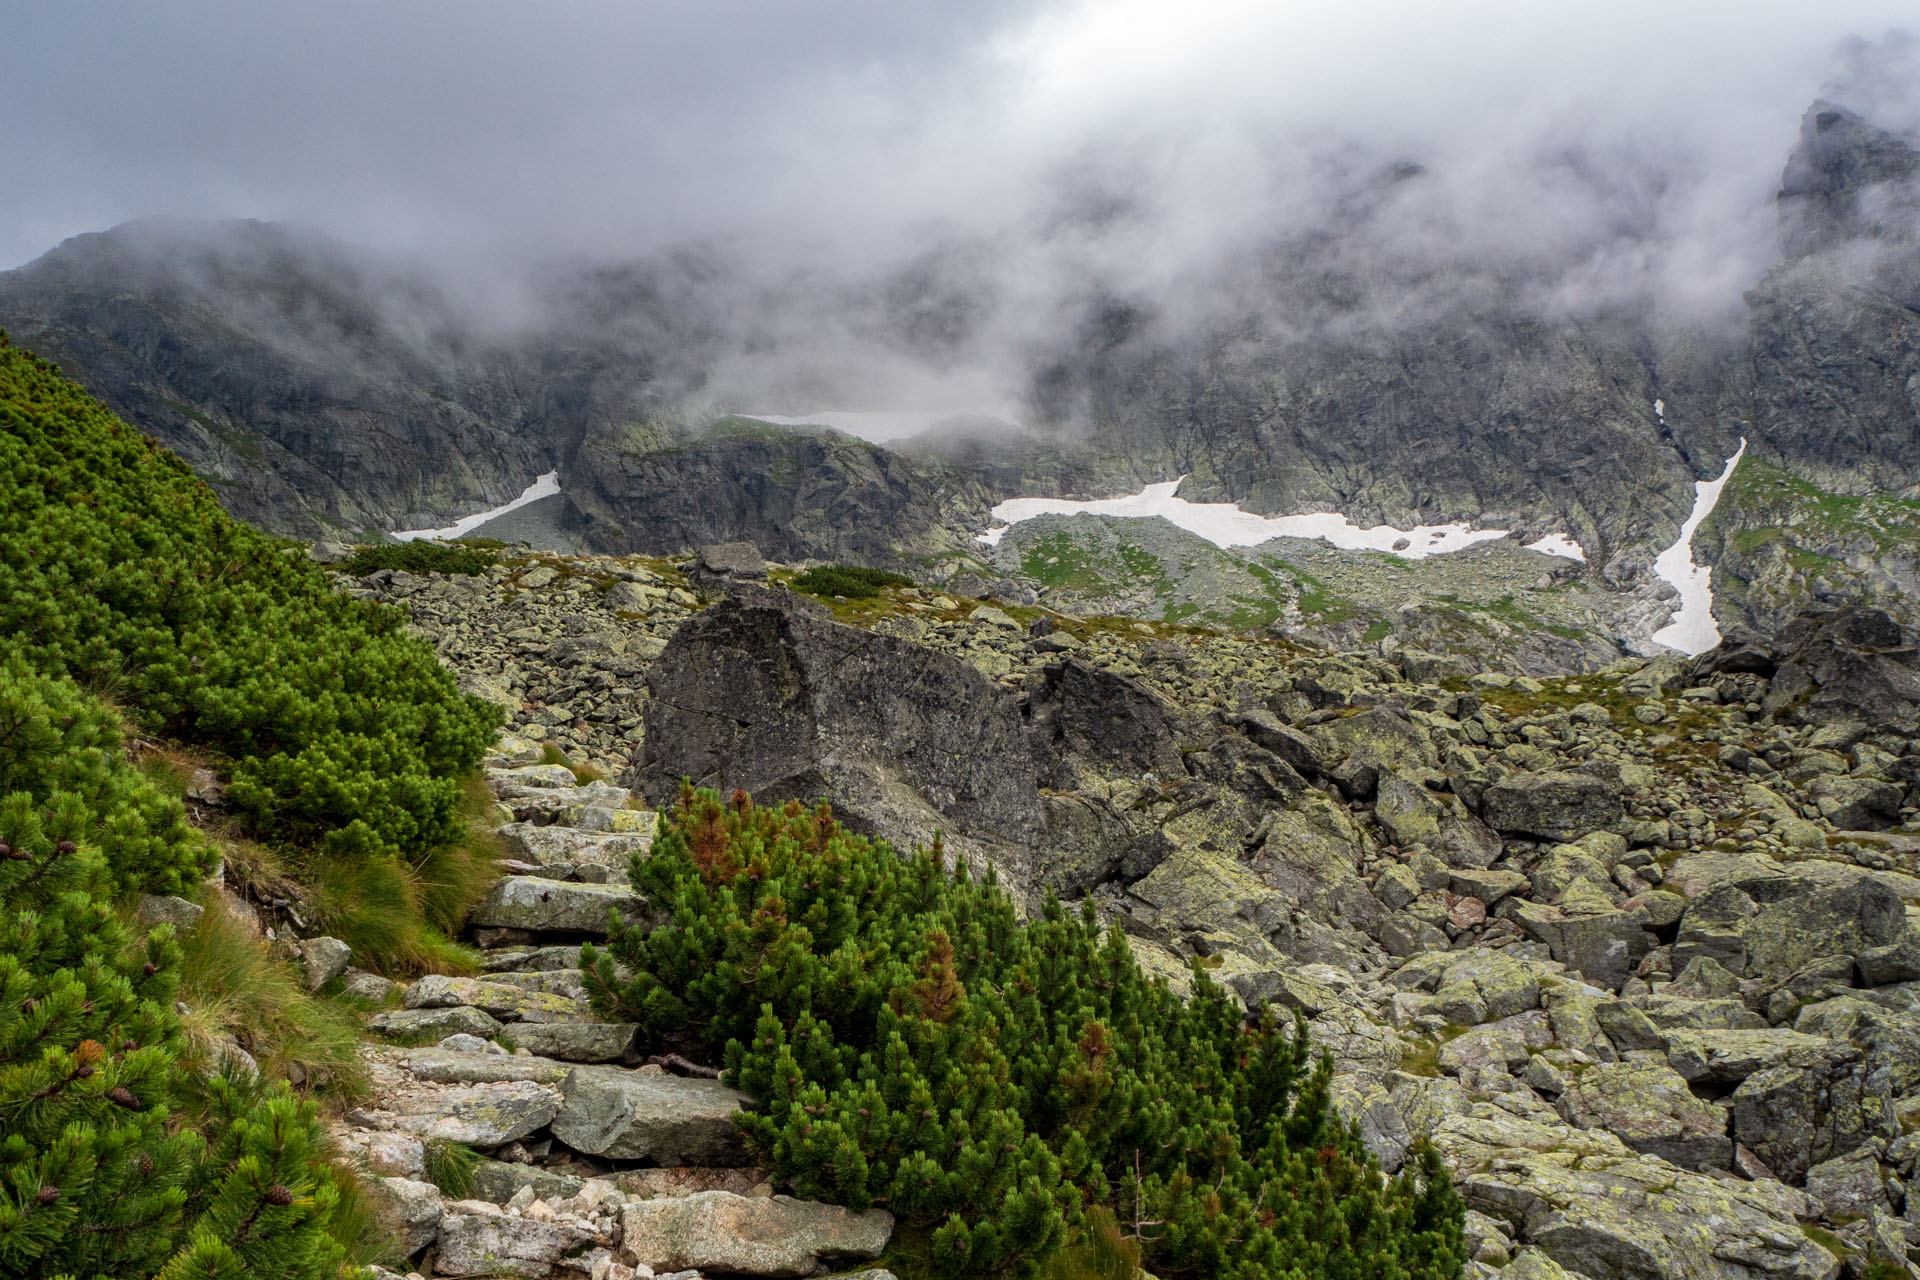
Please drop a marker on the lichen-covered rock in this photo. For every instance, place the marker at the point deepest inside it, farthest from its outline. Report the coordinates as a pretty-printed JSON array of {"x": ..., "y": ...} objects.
[
  {"x": 499, "y": 999},
  {"x": 1728, "y": 1057},
  {"x": 324, "y": 959},
  {"x": 481, "y": 1239},
  {"x": 1596, "y": 1208},
  {"x": 556, "y": 845},
  {"x": 716, "y": 1231},
  {"x": 1413, "y": 814},
  {"x": 649, "y": 1115},
  {"x": 1651, "y": 1109},
  {"x": 480, "y": 1115},
  {"x": 575, "y": 1041},
  {"x": 1551, "y": 804},
  {"x": 408, "y": 1024},
  {"x": 553, "y": 906},
  {"x": 451, "y": 1066},
  {"x": 408, "y": 1208},
  {"x": 1603, "y": 946}
]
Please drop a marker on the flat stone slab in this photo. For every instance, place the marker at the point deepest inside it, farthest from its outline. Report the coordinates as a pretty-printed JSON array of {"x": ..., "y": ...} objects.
[
  {"x": 575, "y": 1041},
  {"x": 647, "y": 1114},
  {"x": 448, "y": 1066},
  {"x": 1728, "y": 1057},
  {"x": 553, "y": 906},
  {"x": 480, "y": 1115},
  {"x": 507, "y": 1001},
  {"x": 408, "y": 1024},
  {"x": 568, "y": 846},
  {"x": 717, "y": 1231}
]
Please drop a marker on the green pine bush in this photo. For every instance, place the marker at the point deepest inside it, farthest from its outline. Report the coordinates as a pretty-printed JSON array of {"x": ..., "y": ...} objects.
[
  {"x": 344, "y": 739},
  {"x": 115, "y": 1161},
  {"x": 1004, "y": 1087}
]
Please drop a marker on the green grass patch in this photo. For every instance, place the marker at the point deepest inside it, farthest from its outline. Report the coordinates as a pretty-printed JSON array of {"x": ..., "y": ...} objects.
[{"x": 855, "y": 582}]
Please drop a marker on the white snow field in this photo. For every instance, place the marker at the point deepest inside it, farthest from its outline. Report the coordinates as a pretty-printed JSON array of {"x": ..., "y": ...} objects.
[
  {"x": 1559, "y": 544},
  {"x": 1224, "y": 524},
  {"x": 545, "y": 486},
  {"x": 1693, "y": 629}
]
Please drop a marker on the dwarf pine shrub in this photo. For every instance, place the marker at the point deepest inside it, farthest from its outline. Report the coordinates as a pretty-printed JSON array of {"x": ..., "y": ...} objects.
[
  {"x": 343, "y": 738},
  {"x": 116, "y": 1160},
  {"x": 1000, "y": 1085}
]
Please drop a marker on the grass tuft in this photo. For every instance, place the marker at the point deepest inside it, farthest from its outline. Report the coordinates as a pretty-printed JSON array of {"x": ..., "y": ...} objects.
[
  {"x": 236, "y": 986},
  {"x": 450, "y": 1166}
]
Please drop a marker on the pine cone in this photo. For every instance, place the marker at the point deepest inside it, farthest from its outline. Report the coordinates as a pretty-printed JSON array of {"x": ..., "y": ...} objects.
[
  {"x": 48, "y": 1195},
  {"x": 67, "y": 846},
  {"x": 123, "y": 1096},
  {"x": 144, "y": 1164},
  {"x": 277, "y": 1194}
]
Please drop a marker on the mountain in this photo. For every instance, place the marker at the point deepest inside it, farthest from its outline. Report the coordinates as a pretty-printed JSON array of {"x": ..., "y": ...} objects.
[{"x": 326, "y": 391}]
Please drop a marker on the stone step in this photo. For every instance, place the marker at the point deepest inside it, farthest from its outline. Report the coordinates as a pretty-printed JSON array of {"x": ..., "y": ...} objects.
[
  {"x": 508, "y": 1002},
  {"x": 547, "y": 804},
  {"x": 538, "y": 905},
  {"x": 541, "y": 846},
  {"x": 412, "y": 1024},
  {"x": 646, "y": 1114},
  {"x": 528, "y": 959},
  {"x": 574, "y": 1041}
]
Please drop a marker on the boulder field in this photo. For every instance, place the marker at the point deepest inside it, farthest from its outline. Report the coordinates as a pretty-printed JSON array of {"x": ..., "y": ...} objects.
[{"x": 1634, "y": 950}]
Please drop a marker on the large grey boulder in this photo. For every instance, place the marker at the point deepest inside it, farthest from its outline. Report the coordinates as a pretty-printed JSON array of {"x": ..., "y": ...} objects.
[
  {"x": 1414, "y": 815},
  {"x": 324, "y": 959},
  {"x": 1604, "y": 946},
  {"x": 1853, "y": 664},
  {"x": 717, "y": 1231},
  {"x": 763, "y": 693},
  {"x": 1551, "y": 804},
  {"x": 649, "y": 1115},
  {"x": 1651, "y": 1109},
  {"x": 553, "y": 906}
]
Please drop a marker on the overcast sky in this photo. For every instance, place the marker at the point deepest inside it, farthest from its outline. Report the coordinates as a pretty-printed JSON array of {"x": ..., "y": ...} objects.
[{"x": 863, "y": 126}]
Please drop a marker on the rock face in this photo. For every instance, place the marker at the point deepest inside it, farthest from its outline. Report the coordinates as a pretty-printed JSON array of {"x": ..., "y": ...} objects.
[
  {"x": 737, "y": 1235},
  {"x": 764, "y": 694},
  {"x": 1853, "y": 666}
]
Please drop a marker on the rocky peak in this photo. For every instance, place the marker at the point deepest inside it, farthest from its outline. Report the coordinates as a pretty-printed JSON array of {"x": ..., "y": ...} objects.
[{"x": 1847, "y": 179}]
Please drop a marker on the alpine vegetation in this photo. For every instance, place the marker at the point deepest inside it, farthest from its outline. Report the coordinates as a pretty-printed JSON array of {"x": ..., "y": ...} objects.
[{"x": 999, "y": 1084}]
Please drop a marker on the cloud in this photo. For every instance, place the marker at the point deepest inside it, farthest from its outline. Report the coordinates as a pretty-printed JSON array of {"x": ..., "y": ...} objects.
[{"x": 1018, "y": 155}]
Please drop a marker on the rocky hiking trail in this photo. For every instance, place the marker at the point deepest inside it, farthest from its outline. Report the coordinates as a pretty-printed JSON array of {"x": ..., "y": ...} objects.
[
  {"x": 594, "y": 1163},
  {"x": 1635, "y": 950}
]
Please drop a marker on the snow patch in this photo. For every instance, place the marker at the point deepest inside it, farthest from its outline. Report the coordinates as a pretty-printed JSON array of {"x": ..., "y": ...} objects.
[
  {"x": 1559, "y": 544},
  {"x": 545, "y": 486},
  {"x": 1225, "y": 525},
  {"x": 1693, "y": 629}
]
